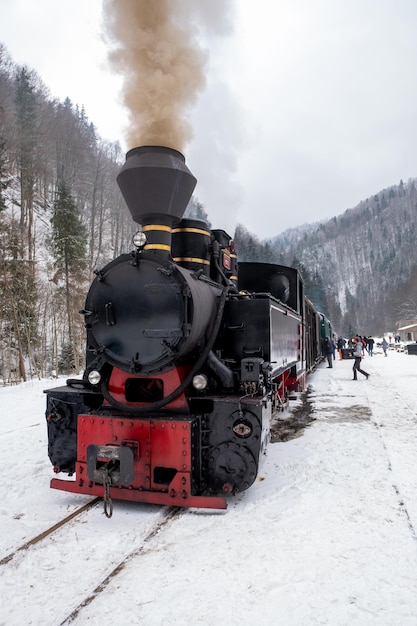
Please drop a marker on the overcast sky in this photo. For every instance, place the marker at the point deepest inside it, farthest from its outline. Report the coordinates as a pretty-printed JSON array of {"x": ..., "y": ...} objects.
[{"x": 310, "y": 105}]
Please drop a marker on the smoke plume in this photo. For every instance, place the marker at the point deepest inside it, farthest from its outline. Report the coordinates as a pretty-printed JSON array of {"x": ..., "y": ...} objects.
[{"x": 157, "y": 47}]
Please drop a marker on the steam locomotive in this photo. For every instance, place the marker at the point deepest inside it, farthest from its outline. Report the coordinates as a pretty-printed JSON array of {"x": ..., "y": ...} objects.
[{"x": 189, "y": 356}]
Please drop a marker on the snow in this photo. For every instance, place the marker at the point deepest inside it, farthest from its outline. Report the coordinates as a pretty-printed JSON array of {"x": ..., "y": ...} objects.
[{"x": 326, "y": 535}]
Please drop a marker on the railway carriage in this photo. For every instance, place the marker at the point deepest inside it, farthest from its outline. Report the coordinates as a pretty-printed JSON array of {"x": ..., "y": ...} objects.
[{"x": 326, "y": 328}]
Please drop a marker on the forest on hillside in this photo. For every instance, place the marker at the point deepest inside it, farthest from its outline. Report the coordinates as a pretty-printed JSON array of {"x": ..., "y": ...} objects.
[{"x": 61, "y": 216}]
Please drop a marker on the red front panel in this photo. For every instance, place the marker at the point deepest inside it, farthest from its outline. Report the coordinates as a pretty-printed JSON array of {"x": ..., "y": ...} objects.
[
  {"x": 162, "y": 460},
  {"x": 162, "y": 444}
]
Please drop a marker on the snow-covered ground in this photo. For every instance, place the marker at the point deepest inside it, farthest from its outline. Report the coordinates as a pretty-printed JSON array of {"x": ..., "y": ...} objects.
[{"x": 327, "y": 535}]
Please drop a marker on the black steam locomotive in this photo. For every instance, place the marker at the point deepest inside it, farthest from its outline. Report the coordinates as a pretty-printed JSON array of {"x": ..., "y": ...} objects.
[{"x": 189, "y": 356}]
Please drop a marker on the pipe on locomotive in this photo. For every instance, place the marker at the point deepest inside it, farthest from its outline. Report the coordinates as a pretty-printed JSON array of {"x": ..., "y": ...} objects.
[{"x": 155, "y": 179}]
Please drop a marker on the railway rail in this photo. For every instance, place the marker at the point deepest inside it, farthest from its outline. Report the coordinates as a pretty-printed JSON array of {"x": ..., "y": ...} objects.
[
  {"x": 9, "y": 557},
  {"x": 170, "y": 514},
  {"x": 107, "y": 547}
]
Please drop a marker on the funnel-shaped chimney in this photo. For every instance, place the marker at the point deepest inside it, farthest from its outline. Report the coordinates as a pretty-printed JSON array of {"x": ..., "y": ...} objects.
[{"x": 156, "y": 184}]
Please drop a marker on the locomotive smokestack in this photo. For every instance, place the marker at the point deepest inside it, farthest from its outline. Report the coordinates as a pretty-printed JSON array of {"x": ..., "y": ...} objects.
[{"x": 157, "y": 186}]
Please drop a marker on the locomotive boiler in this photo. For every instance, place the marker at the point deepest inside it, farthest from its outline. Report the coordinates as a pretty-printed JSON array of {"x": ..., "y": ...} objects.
[{"x": 189, "y": 355}]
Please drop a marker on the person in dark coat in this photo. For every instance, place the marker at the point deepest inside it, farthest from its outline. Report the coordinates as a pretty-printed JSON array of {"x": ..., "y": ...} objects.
[
  {"x": 328, "y": 351},
  {"x": 340, "y": 346},
  {"x": 371, "y": 344}
]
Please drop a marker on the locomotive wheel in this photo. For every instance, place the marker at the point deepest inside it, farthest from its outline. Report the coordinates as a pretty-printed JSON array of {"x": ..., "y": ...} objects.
[{"x": 232, "y": 467}]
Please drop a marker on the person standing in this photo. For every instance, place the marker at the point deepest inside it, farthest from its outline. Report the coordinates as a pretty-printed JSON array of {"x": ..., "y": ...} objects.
[
  {"x": 340, "y": 345},
  {"x": 371, "y": 343},
  {"x": 333, "y": 348},
  {"x": 385, "y": 346},
  {"x": 357, "y": 353},
  {"x": 328, "y": 350}
]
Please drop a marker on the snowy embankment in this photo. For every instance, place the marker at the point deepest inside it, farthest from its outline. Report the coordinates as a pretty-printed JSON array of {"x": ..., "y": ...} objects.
[{"x": 327, "y": 535}]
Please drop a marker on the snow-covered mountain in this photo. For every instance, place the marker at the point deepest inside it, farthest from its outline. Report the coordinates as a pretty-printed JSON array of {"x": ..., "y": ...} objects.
[{"x": 366, "y": 260}]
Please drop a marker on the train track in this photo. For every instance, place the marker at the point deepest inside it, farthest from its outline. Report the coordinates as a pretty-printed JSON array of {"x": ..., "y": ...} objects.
[
  {"x": 49, "y": 531},
  {"x": 88, "y": 551},
  {"x": 171, "y": 513}
]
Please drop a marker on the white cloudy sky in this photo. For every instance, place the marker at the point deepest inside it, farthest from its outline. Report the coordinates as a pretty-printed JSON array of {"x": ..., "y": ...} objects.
[{"x": 309, "y": 105}]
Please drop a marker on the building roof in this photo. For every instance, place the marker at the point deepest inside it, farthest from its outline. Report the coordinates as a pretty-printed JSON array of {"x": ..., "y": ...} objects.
[{"x": 408, "y": 327}]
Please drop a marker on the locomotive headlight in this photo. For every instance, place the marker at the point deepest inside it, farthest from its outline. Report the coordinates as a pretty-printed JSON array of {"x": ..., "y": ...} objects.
[
  {"x": 94, "y": 377},
  {"x": 139, "y": 239},
  {"x": 200, "y": 382}
]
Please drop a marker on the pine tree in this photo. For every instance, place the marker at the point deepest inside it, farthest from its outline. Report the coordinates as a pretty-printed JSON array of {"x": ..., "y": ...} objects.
[
  {"x": 69, "y": 245},
  {"x": 26, "y": 103},
  {"x": 18, "y": 308}
]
